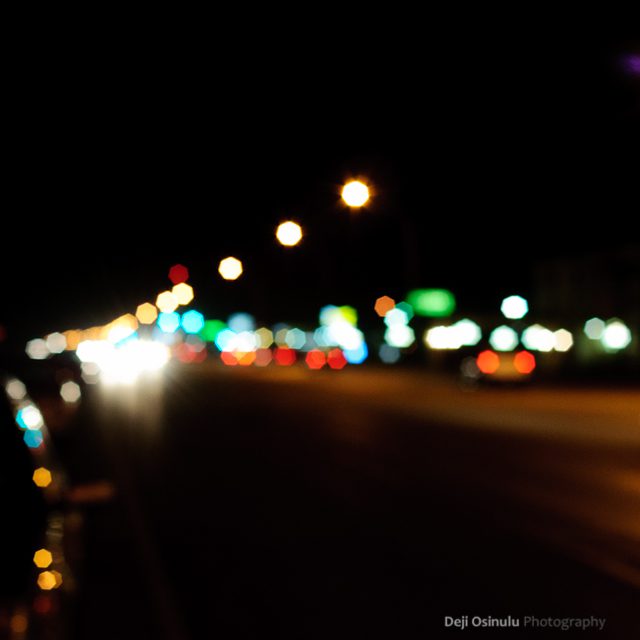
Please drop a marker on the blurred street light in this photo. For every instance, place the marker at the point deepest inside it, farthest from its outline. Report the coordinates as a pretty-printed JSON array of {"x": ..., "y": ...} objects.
[
  {"x": 167, "y": 302},
  {"x": 289, "y": 233},
  {"x": 146, "y": 313},
  {"x": 355, "y": 193},
  {"x": 183, "y": 293},
  {"x": 230, "y": 268},
  {"x": 514, "y": 307}
]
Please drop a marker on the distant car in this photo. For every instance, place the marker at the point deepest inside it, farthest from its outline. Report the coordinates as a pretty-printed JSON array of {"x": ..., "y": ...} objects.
[{"x": 516, "y": 366}]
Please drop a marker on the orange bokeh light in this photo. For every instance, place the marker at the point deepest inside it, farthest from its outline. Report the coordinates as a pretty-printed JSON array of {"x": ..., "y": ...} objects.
[{"x": 383, "y": 305}]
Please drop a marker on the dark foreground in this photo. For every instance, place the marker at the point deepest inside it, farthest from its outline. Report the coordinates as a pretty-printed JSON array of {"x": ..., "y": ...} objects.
[{"x": 296, "y": 504}]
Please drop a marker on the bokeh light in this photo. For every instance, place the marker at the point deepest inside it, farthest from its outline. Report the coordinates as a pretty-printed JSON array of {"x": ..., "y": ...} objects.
[
  {"x": 389, "y": 354},
  {"x": 192, "y": 321},
  {"x": 15, "y": 389},
  {"x": 295, "y": 338},
  {"x": 33, "y": 439},
  {"x": 211, "y": 329},
  {"x": 169, "y": 322},
  {"x": 289, "y": 233},
  {"x": 524, "y": 362},
  {"x": 56, "y": 342},
  {"x": 443, "y": 337},
  {"x": 264, "y": 337},
  {"x": 230, "y": 268},
  {"x": 240, "y": 322},
  {"x": 183, "y": 293},
  {"x": 406, "y": 308},
  {"x": 336, "y": 359},
  {"x": 167, "y": 302},
  {"x": 563, "y": 340},
  {"x": 594, "y": 328},
  {"x": 42, "y": 477},
  {"x": 514, "y": 307},
  {"x": 284, "y": 356},
  {"x": 538, "y": 338},
  {"x": 433, "y": 303},
  {"x": 315, "y": 359},
  {"x": 357, "y": 355},
  {"x": 37, "y": 349},
  {"x": 383, "y": 305},
  {"x": 399, "y": 335},
  {"x": 48, "y": 580},
  {"x": 503, "y": 338},
  {"x": 488, "y": 362},
  {"x": 70, "y": 391},
  {"x": 616, "y": 335},
  {"x": 146, "y": 313},
  {"x": 29, "y": 417},
  {"x": 355, "y": 193},
  {"x": 42, "y": 558},
  {"x": 263, "y": 357},
  {"x": 395, "y": 317},
  {"x": 178, "y": 274},
  {"x": 468, "y": 332}
]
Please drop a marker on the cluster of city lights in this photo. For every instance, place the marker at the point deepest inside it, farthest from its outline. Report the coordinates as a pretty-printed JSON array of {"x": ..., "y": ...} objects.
[
  {"x": 137, "y": 344},
  {"x": 140, "y": 344},
  {"x": 46, "y": 476},
  {"x": 614, "y": 335}
]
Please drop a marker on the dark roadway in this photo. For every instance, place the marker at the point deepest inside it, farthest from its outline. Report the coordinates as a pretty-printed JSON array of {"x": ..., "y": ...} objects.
[{"x": 356, "y": 504}]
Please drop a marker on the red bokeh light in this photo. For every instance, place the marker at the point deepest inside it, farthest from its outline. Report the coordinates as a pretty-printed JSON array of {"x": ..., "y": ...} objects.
[
  {"x": 284, "y": 357},
  {"x": 228, "y": 358},
  {"x": 524, "y": 362},
  {"x": 336, "y": 359},
  {"x": 263, "y": 357},
  {"x": 43, "y": 604},
  {"x": 316, "y": 359},
  {"x": 488, "y": 362},
  {"x": 178, "y": 273}
]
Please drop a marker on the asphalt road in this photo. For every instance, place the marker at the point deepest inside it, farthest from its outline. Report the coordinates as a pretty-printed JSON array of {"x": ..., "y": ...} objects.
[{"x": 366, "y": 503}]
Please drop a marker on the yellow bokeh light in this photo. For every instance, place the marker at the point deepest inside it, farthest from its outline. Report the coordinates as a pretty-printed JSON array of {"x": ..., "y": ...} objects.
[
  {"x": 42, "y": 558},
  {"x": 264, "y": 337},
  {"x": 127, "y": 321},
  {"x": 355, "y": 193},
  {"x": 47, "y": 581},
  {"x": 167, "y": 302},
  {"x": 42, "y": 477},
  {"x": 146, "y": 313},
  {"x": 183, "y": 293},
  {"x": 230, "y": 268},
  {"x": 289, "y": 233}
]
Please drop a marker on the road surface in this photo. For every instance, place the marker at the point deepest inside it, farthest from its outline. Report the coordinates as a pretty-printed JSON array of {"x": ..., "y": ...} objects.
[{"x": 364, "y": 503}]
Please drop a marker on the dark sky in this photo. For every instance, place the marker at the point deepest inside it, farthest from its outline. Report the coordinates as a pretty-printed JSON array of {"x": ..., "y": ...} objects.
[{"x": 485, "y": 158}]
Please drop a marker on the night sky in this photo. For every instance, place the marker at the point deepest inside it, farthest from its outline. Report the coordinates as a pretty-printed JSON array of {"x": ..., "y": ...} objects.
[{"x": 484, "y": 160}]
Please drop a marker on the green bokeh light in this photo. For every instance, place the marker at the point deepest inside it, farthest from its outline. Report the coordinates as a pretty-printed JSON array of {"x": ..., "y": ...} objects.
[{"x": 433, "y": 303}]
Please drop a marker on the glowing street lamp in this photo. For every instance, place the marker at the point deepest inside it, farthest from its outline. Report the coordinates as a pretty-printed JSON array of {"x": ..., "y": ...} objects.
[
  {"x": 230, "y": 268},
  {"x": 289, "y": 233},
  {"x": 355, "y": 193}
]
